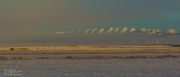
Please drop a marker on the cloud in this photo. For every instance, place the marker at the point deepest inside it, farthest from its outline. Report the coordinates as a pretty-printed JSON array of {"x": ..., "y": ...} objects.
[
  {"x": 87, "y": 31},
  {"x": 61, "y": 33},
  {"x": 110, "y": 30},
  {"x": 116, "y": 30},
  {"x": 124, "y": 30},
  {"x": 158, "y": 30},
  {"x": 172, "y": 31},
  {"x": 101, "y": 30},
  {"x": 94, "y": 30},
  {"x": 132, "y": 30},
  {"x": 143, "y": 30}
]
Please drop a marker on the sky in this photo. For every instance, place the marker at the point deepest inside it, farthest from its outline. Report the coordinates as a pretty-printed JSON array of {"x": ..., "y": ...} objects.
[{"x": 38, "y": 20}]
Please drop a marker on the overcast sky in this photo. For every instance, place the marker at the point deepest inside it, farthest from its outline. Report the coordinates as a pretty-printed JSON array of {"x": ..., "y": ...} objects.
[{"x": 40, "y": 19}]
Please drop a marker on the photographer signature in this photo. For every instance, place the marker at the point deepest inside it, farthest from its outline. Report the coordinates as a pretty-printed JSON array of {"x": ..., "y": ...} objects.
[{"x": 12, "y": 72}]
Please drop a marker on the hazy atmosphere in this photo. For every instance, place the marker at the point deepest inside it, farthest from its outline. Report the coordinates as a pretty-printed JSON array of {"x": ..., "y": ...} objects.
[
  {"x": 37, "y": 21},
  {"x": 89, "y": 38}
]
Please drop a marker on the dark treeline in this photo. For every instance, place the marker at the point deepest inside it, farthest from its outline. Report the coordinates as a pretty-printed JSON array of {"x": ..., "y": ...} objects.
[{"x": 88, "y": 57}]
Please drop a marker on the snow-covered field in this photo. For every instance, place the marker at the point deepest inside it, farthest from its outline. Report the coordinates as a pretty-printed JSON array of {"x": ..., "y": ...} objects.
[{"x": 94, "y": 67}]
